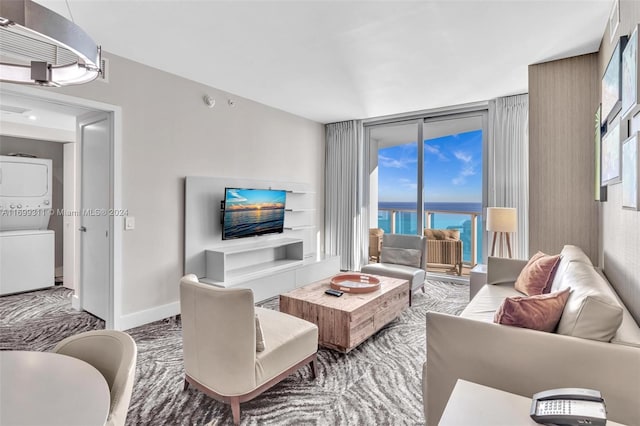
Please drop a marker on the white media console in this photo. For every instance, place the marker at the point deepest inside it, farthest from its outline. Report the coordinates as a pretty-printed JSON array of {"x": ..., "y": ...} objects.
[{"x": 269, "y": 265}]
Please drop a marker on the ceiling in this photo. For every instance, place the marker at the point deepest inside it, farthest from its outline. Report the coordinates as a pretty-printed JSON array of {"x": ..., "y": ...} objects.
[{"x": 337, "y": 60}]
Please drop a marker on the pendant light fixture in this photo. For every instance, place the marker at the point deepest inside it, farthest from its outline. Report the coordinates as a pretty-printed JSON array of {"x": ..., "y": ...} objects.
[{"x": 40, "y": 47}]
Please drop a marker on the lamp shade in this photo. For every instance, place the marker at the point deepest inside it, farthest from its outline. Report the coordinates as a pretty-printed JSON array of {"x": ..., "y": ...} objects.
[{"x": 502, "y": 219}]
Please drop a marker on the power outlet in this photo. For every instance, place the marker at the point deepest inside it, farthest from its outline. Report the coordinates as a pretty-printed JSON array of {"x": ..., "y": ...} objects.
[{"x": 129, "y": 223}]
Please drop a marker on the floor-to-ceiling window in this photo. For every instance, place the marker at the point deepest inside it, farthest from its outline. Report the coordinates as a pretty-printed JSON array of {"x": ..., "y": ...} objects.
[{"x": 437, "y": 184}]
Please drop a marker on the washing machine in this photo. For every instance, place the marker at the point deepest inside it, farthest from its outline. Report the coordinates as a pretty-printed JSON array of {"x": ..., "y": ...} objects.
[{"x": 27, "y": 247}]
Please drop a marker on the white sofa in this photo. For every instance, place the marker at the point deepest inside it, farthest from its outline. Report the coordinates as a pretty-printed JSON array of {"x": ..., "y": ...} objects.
[{"x": 522, "y": 361}]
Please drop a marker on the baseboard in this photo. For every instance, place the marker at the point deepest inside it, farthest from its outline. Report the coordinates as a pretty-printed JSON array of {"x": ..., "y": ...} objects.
[
  {"x": 136, "y": 319},
  {"x": 75, "y": 302}
]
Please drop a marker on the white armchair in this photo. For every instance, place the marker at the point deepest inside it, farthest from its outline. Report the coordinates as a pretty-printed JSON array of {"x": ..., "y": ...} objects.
[
  {"x": 402, "y": 256},
  {"x": 220, "y": 349}
]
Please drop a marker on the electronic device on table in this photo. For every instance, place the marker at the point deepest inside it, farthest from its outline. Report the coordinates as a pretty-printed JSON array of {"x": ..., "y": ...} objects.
[{"x": 569, "y": 407}]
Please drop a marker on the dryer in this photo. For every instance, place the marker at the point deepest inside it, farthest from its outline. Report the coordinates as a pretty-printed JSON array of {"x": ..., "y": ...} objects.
[{"x": 27, "y": 247}]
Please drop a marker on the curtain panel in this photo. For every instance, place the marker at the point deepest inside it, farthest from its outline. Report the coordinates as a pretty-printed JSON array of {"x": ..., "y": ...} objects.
[
  {"x": 508, "y": 163},
  {"x": 346, "y": 194}
]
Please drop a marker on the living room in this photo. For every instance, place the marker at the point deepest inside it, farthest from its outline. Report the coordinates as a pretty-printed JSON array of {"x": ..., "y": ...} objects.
[{"x": 164, "y": 133}]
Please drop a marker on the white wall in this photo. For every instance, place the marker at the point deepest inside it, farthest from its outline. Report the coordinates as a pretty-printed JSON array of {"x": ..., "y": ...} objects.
[{"x": 169, "y": 133}]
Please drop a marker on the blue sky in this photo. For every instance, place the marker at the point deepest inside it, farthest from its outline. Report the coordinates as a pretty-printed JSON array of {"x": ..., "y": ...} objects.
[{"x": 453, "y": 170}]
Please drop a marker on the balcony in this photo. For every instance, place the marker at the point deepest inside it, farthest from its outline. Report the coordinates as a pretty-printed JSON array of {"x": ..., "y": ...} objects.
[{"x": 404, "y": 221}]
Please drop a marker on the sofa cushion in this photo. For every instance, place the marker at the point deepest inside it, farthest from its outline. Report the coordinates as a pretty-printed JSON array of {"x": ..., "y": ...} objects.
[
  {"x": 567, "y": 255},
  {"x": 535, "y": 278},
  {"x": 488, "y": 299},
  {"x": 539, "y": 312},
  {"x": 401, "y": 256},
  {"x": 592, "y": 311}
]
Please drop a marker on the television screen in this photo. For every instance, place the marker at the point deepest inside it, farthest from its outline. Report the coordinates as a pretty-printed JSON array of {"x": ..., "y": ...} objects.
[{"x": 249, "y": 212}]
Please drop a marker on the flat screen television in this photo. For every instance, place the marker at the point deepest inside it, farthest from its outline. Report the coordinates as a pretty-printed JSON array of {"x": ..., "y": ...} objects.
[{"x": 251, "y": 212}]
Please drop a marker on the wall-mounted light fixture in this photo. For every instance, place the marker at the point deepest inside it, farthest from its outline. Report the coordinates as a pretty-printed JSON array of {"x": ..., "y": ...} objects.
[{"x": 40, "y": 47}]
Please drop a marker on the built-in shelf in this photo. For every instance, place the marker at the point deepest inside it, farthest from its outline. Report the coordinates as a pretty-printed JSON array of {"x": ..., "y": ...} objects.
[
  {"x": 244, "y": 261},
  {"x": 300, "y": 210},
  {"x": 293, "y": 191},
  {"x": 299, "y": 227}
]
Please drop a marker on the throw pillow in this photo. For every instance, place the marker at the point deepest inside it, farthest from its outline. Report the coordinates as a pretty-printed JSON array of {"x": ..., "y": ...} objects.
[
  {"x": 401, "y": 256},
  {"x": 536, "y": 277},
  {"x": 259, "y": 336},
  {"x": 541, "y": 312}
]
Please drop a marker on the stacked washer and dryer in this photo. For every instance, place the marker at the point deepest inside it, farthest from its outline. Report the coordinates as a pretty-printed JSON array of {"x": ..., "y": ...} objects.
[{"x": 27, "y": 247}]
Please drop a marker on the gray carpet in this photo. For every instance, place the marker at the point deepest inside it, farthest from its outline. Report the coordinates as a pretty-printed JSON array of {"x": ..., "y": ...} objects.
[{"x": 378, "y": 383}]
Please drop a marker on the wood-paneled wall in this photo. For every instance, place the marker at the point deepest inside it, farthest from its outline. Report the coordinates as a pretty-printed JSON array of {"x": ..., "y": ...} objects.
[
  {"x": 563, "y": 96},
  {"x": 620, "y": 249}
]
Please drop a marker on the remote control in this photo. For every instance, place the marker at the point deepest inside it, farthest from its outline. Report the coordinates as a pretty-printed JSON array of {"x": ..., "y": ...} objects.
[{"x": 333, "y": 292}]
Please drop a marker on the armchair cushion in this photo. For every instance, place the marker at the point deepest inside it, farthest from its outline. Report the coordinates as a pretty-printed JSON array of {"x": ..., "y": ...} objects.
[
  {"x": 442, "y": 234},
  {"x": 415, "y": 276},
  {"x": 290, "y": 340},
  {"x": 401, "y": 256}
]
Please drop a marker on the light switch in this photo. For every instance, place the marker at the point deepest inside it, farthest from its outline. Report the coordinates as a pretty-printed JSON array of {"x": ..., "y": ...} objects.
[{"x": 129, "y": 223}]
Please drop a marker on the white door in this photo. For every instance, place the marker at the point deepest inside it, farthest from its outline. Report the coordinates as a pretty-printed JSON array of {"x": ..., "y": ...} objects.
[{"x": 95, "y": 131}]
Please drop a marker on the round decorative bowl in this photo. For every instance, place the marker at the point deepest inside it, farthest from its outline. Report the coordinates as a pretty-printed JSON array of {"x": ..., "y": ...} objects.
[{"x": 354, "y": 282}]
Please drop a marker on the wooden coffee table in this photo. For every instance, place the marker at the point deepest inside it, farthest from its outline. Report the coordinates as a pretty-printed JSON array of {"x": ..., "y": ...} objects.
[{"x": 346, "y": 321}]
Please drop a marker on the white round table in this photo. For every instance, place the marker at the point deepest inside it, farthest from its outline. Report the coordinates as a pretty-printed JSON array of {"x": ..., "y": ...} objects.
[{"x": 38, "y": 388}]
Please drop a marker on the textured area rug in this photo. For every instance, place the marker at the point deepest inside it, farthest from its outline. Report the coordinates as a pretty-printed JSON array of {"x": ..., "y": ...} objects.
[{"x": 377, "y": 383}]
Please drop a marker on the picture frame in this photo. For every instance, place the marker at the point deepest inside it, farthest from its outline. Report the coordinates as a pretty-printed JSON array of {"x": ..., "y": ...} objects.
[
  {"x": 630, "y": 67},
  {"x": 614, "y": 20},
  {"x": 611, "y": 83},
  {"x": 610, "y": 163},
  {"x": 600, "y": 192},
  {"x": 630, "y": 181}
]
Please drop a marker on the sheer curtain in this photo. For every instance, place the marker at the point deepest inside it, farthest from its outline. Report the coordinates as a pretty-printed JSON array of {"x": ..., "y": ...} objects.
[
  {"x": 508, "y": 163},
  {"x": 346, "y": 194}
]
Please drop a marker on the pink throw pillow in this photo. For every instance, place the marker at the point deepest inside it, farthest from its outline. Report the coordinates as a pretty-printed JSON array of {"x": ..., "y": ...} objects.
[
  {"x": 541, "y": 312},
  {"x": 536, "y": 277}
]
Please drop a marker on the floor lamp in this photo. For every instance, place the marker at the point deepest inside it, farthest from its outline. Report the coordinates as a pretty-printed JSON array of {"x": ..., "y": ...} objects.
[{"x": 501, "y": 221}]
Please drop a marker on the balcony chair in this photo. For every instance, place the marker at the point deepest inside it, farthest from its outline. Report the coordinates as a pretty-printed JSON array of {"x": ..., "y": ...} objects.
[
  {"x": 444, "y": 247},
  {"x": 402, "y": 256},
  {"x": 375, "y": 244},
  {"x": 113, "y": 353},
  {"x": 222, "y": 356}
]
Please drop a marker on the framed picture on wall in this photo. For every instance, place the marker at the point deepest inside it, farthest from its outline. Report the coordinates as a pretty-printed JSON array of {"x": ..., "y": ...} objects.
[
  {"x": 630, "y": 182},
  {"x": 600, "y": 193},
  {"x": 630, "y": 73},
  {"x": 614, "y": 20},
  {"x": 611, "y": 84},
  {"x": 610, "y": 155}
]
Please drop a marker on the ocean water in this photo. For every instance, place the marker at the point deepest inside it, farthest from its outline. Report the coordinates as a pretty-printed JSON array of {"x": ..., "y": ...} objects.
[
  {"x": 407, "y": 221},
  {"x": 245, "y": 223}
]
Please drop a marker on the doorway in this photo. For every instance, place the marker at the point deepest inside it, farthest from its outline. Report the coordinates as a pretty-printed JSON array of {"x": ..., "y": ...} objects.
[
  {"x": 101, "y": 130},
  {"x": 437, "y": 184}
]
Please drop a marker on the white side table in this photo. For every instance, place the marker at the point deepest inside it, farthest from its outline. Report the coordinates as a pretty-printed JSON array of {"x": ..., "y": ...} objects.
[
  {"x": 477, "y": 279},
  {"x": 478, "y": 405}
]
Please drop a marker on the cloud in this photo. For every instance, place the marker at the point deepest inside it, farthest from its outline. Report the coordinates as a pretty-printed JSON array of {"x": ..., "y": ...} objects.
[
  {"x": 408, "y": 183},
  {"x": 396, "y": 163},
  {"x": 435, "y": 150},
  {"x": 235, "y": 196},
  {"x": 468, "y": 168}
]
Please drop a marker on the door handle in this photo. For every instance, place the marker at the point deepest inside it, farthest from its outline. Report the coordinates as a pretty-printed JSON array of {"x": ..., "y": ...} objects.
[{"x": 82, "y": 229}]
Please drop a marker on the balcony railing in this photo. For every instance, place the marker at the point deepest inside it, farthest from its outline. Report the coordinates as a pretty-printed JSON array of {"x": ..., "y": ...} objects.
[{"x": 404, "y": 221}]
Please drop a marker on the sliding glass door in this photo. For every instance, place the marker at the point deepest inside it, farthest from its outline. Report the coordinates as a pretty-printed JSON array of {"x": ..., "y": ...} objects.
[{"x": 435, "y": 184}]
